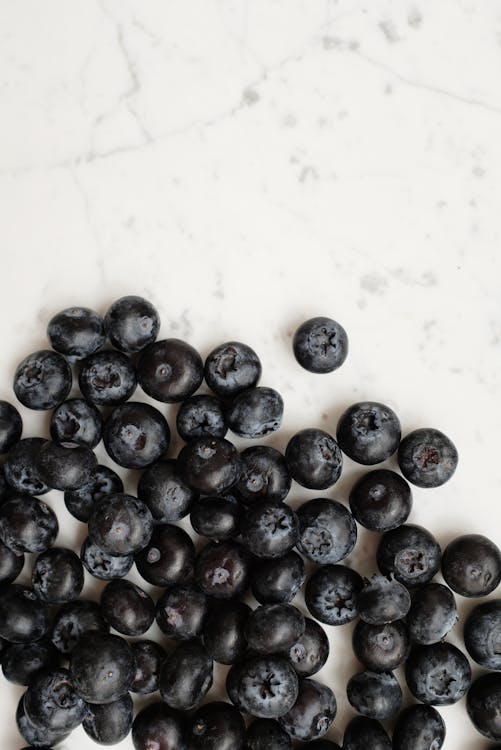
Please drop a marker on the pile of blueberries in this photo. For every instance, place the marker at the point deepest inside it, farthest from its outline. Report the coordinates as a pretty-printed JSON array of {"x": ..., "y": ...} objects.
[{"x": 60, "y": 646}]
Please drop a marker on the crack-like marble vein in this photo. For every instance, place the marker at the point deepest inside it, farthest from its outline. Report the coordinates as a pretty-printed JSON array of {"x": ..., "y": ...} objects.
[{"x": 89, "y": 219}]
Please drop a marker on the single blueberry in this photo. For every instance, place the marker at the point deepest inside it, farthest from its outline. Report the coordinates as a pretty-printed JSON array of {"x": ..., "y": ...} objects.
[
  {"x": 216, "y": 726},
  {"x": 110, "y": 723},
  {"x": 52, "y": 701},
  {"x": 149, "y": 657},
  {"x": 131, "y": 323},
  {"x": 410, "y": 553},
  {"x": 223, "y": 632},
  {"x": 255, "y": 412},
  {"x": 482, "y": 634},
  {"x": 438, "y": 675},
  {"x": 381, "y": 648},
  {"x": 107, "y": 378},
  {"x": 217, "y": 517},
  {"x": 103, "y": 565},
  {"x": 186, "y": 676},
  {"x": 127, "y": 607},
  {"x": 181, "y": 612},
  {"x": 278, "y": 580},
  {"x": 168, "y": 558},
  {"x": 264, "y": 475},
  {"x": 42, "y": 380},
  {"x": 232, "y": 368},
  {"x": 209, "y": 465},
  {"x": 27, "y": 524},
  {"x": 22, "y": 661},
  {"x": 471, "y": 565},
  {"x": 432, "y": 614},
  {"x": 222, "y": 569},
  {"x": 310, "y": 652},
  {"x": 136, "y": 435},
  {"x": 164, "y": 492},
  {"x": 274, "y": 628},
  {"x": 482, "y": 704},
  {"x": 75, "y": 620},
  {"x": 76, "y": 332},
  {"x": 58, "y": 576},
  {"x": 76, "y": 422},
  {"x": 320, "y": 345},
  {"x": 11, "y": 426},
  {"x": 331, "y": 594},
  {"x": 201, "y": 416},
  {"x": 38, "y": 737},
  {"x": 269, "y": 529},
  {"x": 11, "y": 564},
  {"x": 314, "y": 459},
  {"x": 376, "y": 695},
  {"x": 102, "y": 667},
  {"x": 158, "y": 726},
  {"x": 20, "y": 467},
  {"x": 103, "y": 482},
  {"x": 383, "y": 600},
  {"x": 327, "y": 531},
  {"x": 170, "y": 370},
  {"x": 63, "y": 468},
  {"x": 419, "y": 727},
  {"x": 381, "y": 500},
  {"x": 427, "y": 457},
  {"x": 368, "y": 432},
  {"x": 313, "y": 712},
  {"x": 362, "y": 733},
  {"x": 264, "y": 686},
  {"x": 120, "y": 525}
]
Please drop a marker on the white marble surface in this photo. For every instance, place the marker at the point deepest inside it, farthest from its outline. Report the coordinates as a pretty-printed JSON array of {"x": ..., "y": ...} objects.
[{"x": 249, "y": 164}]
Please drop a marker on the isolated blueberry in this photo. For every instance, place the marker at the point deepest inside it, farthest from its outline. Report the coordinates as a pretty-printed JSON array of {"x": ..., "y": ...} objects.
[
  {"x": 482, "y": 634},
  {"x": 102, "y": 667},
  {"x": 149, "y": 657},
  {"x": 101, "y": 564},
  {"x": 432, "y": 614},
  {"x": 103, "y": 482},
  {"x": 75, "y": 620},
  {"x": 216, "y": 726},
  {"x": 381, "y": 648},
  {"x": 255, "y": 412},
  {"x": 58, "y": 576},
  {"x": 38, "y": 737},
  {"x": 107, "y": 378},
  {"x": 438, "y": 674},
  {"x": 327, "y": 531},
  {"x": 223, "y": 632},
  {"x": 209, "y": 465},
  {"x": 314, "y": 459},
  {"x": 201, "y": 416},
  {"x": 264, "y": 475},
  {"x": 168, "y": 558},
  {"x": 310, "y": 652},
  {"x": 313, "y": 712},
  {"x": 120, "y": 525},
  {"x": 376, "y": 695},
  {"x": 331, "y": 594},
  {"x": 419, "y": 727},
  {"x": 65, "y": 468},
  {"x": 264, "y": 686},
  {"x": 20, "y": 467},
  {"x": 471, "y": 565},
  {"x": 170, "y": 370},
  {"x": 362, "y": 733},
  {"x": 131, "y": 323},
  {"x": 22, "y": 661},
  {"x": 186, "y": 676},
  {"x": 222, "y": 569},
  {"x": 11, "y": 426},
  {"x": 110, "y": 723},
  {"x": 11, "y": 564},
  {"x": 427, "y": 458},
  {"x": 270, "y": 529},
  {"x": 381, "y": 500},
  {"x": 52, "y": 701},
  {"x": 410, "y": 553},
  {"x": 368, "y": 432},
  {"x": 127, "y": 607},
  {"x": 482, "y": 704},
  {"x": 231, "y": 368},
  {"x": 320, "y": 345},
  {"x": 76, "y": 332},
  {"x": 181, "y": 612},
  {"x": 27, "y": 524},
  {"x": 274, "y": 628},
  {"x": 383, "y": 600},
  {"x": 217, "y": 517},
  {"x": 76, "y": 422},
  {"x": 159, "y": 726},
  {"x": 278, "y": 580},
  {"x": 42, "y": 380},
  {"x": 136, "y": 435},
  {"x": 164, "y": 492},
  {"x": 267, "y": 734}
]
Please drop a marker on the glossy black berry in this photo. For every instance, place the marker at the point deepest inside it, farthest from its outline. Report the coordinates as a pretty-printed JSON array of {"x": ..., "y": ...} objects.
[
  {"x": 255, "y": 412},
  {"x": 267, "y": 734},
  {"x": 313, "y": 712},
  {"x": 432, "y": 614},
  {"x": 170, "y": 370},
  {"x": 427, "y": 458},
  {"x": 410, "y": 553},
  {"x": 232, "y": 368},
  {"x": 264, "y": 475},
  {"x": 127, "y": 607},
  {"x": 136, "y": 435},
  {"x": 201, "y": 416},
  {"x": 11, "y": 564},
  {"x": 419, "y": 727},
  {"x": 270, "y": 529},
  {"x": 222, "y": 569},
  {"x": 102, "y": 667},
  {"x": 277, "y": 580},
  {"x": 76, "y": 332},
  {"x": 164, "y": 492},
  {"x": 209, "y": 465},
  {"x": 107, "y": 378},
  {"x": 471, "y": 565},
  {"x": 11, "y": 426},
  {"x": 376, "y": 695},
  {"x": 216, "y": 726},
  {"x": 362, "y": 733},
  {"x": 27, "y": 524},
  {"x": 58, "y": 576},
  {"x": 186, "y": 676},
  {"x": 120, "y": 525},
  {"x": 38, "y": 737},
  {"x": 482, "y": 704},
  {"x": 22, "y": 661},
  {"x": 103, "y": 482},
  {"x": 110, "y": 723},
  {"x": 314, "y": 459},
  {"x": 381, "y": 648},
  {"x": 181, "y": 612},
  {"x": 368, "y": 432},
  {"x": 383, "y": 600},
  {"x": 320, "y": 345},
  {"x": 274, "y": 628},
  {"x": 224, "y": 632},
  {"x": 168, "y": 558},
  {"x": 264, "y": 686},
  {"x": 149, "y": 657},
  {"x": 101, "y": 564},
  {"x": 310, "y": 652},
  {"x": 74, "y": 621},
  {"x": 65, "y": 468},
  {"x": 76, "y": 422},
  {"x": 438, "y": 674},
  {"x": 20, "y": 467},
  {"x": 482, "y": 634},
  {"x": 158, "y": 726},
  {"x": 381, "y": 500},
  {"x": 131, "y": 323},
  {"x": 42, "y": 380},
  {"x": 218, "y": 518},
  {"x": 52, "y": 701},
  {"x": 327, "y": 531},
  {"x": 331, "y": 594}
]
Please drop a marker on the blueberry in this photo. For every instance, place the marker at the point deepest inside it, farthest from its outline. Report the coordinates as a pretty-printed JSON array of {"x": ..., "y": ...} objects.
[
  {"x": 232, "y": 368},
  {"x": 482, "y": 634},
  {"x": 76, "y": 422},
  {"x": 216, "y": 726},
  {"x": 23, "y": 661},
  {"x": 11, "y": 564},
  {"x": 107, "y": 378},
  {"x": 381, "y": 648},
  {"x": 102, "y": 667},
  {"x": 264, "y": 686},
  {"x": 264, "y": 475},
  {"x": 432, "y": 614},
  {"x": 75, "y": 620},
  {"x": 164, "y": 492},
  {"x": 362, "y": 733},
  {"x": 65, "y": 468},
  {"x": 58, "y": 576},
  {"x": 327, "y": 531},
  {"x": 471, "y": 565},
  {"x": 76, "y": 332},
  {"x": 223, "y": 632},
  {"x": 42, "y": 380},
  {"x": 313, "y": 712},
  {"x": 320, "y": 345},
  {"x": 255, "y": 412},
  {"x": 127, "y": 608},
  {"x": 170, "y": 370},
  {"x": 27, "y": 524},
  {"x": 427, "y": 458},
  {"x": 267, "y": 734},
  {"x": 103, "y": 482},
  {"x": 149, "y": 657},
  {"x": 383, "y": 600},
  {"x": 38, "y": 737},
  {"x": 111, "y": 723},
  {"x": 20, "y": 467},
  {"x": 381, "y": 500},
  {"x": 181, "y": 612},
  {"x": 158, "y": 726},
  {"x": 270, "y": 529},
  {"x": 222, "y": 569},
  {"x": 314, "y": 459},
  {"x": 482, "y": 704},
  {"x": 101, "y": 564},
  {"x": 331, "y": 594},
  {"x": 438, "y": 674},
  {"x": 201, "y": 416},
  {"x": 168, "y": 558},
  {"x": 376, "y": 695},
  {"x": 410, "y": 553},
  {"x": 136, "y": 435},
  {"x": 11, "y": 426},
  {"x": 419, "y": 727},
  {"x": 310, "y": 652},
  {"x": 186, "y": 676},
  {"x": 273, "y": 628},
  {"x": 52, "y": 701},
  {"x": 368, "y": 432},
  {"x": 218, "y": 518},
  {"x": 120, "y": 525},
  {"x": 278, "y": 580},
  {"x": 131, "y": 323},
  {"x": 5, "y": 488},
  {"x": 209, "y": 465}
]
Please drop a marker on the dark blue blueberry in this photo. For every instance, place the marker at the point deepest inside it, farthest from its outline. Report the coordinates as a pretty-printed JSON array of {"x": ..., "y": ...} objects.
[
  {"x": 164, "y": 492},
  {"x": 223, "y": 632},
  {"x": 218, "y": 518},
  {"x": 270, "y": 529},
  {"x": 216, "y": 726},
  {"x": 58, "y": 576},
  {"x": 23, "y": 616},
  {"x": 376, "y": 695},
  {"x": 438, "y": 674},
  {"x": 419, "y": 727},
  {"x": 110, "y": 723},
  {"x": 65, "y": 468},
  {"x": 136, "y": 435},
  {"x": 20, "y": 467},
  {"x": 320, "y": 345},
  {"x": 120, "y": 525},
  {"x": 159, "y": 726},
  {"x": 101, "y": 564},
  {"x": 383, "y": 600},
  {"x": 170, "y": 370},
  {"x": 38, "y": 737},
  {"x": 327, "y": 531},
  {"x": 232, "y": 368},
  {"x": 222, "y": 569},
  {"x": 331, "y": 594},
  {"x": 149, "y": 657},
  {"x": 75, "y": 620},
  {"x": 11, "y": 426},
  {"x": 368, "y": 432},
  {"x": 201, "y": 416},
  {"x": 76, "y": 332},
  {"x": 52, "y": 701},
  {"x": 310, "y": 652},
  {"x": 209, "y": 465},
  {"x": 264, "y": 475},
  {"x": 427, "y": 458},
  {"x": 11, "y": 564},
  {"x": 267, "y": 734},
  {"x": 168, "y": 558},
  {"x": 362, "y": 733},
  {"x": 131, "y": 323},
  {"x": 127, "y": 607},
  {"x": 264, "y": 686},
  {"x": 255, "y": 412},
  {"x": 381, "y": 648},
  {"x": 186, "y": 676},
  {"x": 381, "y": 500},
  {"x": 277, "y": 580},
  {"x": 102, "y": 667},
  {"x": 410, "y": 553},
  {"x": 313, "y": 712},
  {"x": 482, "y": 634},
  {"x": 27, "y": 524},
  {"x": 5, "y": 488},
  {"x": 432, "y": 614},
  {"x": 107, "y": 378},
  {"x": 482, "y": 704},
  {"x": 314, "y": 459},
  {"x": 181, "y": 612},
  {"x": 274, "y": 628},
  {"x": 76, "y": 422},
  {"x": 23, "y": 661},
  {"x": 42, "y": 380},
  {"x": 103, "y": 482},
  {"x": 471, "y": 565}
]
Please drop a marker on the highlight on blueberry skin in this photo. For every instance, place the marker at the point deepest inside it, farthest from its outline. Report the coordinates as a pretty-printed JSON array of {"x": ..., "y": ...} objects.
[
  {"x": 368, "y": 432},
  {"x": 76, "y": 332},
  {"x": 136, "y": 435},
  {"x": 320, "y": 345},
  {"x": 170, "y": 370},
  {"x": 427, "y": 457},
  {"x": 131, "y": 323}
]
